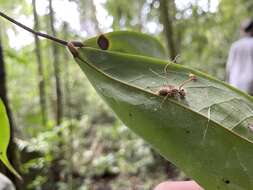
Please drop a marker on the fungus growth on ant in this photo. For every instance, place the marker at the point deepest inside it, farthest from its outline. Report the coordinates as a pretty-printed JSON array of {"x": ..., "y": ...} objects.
[{"x": 172, "y": 91}]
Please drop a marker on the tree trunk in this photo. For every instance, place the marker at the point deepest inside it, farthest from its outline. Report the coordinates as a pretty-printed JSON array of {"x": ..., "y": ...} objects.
[
  {"x": 56, "y": 63},
  {"x": 94, "y": 17},
  {"x": 55, "y": 174},
  {"x": 167, "y": 22},
  {"x": 67, "y": 94},
  {"x": 140, "y": 20},
  {"x": 42, "y": 92},
  {"x": 12, "y": 148}
]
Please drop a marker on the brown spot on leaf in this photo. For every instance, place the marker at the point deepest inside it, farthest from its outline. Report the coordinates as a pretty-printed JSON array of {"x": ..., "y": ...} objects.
[
  {"x": 103, "y": 42},
  {"x": 226, "y": 181}
]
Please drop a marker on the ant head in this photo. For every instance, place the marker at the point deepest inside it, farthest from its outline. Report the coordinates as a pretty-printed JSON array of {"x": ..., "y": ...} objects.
[{"x": 182, "y": 93}]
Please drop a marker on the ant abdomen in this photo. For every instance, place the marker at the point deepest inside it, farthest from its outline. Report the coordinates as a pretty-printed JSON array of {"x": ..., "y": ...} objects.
[
  {"x": 163, "y": 92},
  {"x": 168, "y": 90}
]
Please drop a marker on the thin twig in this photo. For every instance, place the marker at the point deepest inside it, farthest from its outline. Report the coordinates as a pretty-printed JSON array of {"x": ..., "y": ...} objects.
[{"x": 65, "y": 43}]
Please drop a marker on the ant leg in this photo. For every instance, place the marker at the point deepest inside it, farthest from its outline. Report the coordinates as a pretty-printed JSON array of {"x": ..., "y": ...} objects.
[
  {"x": 152, "y": 87},
  {"x": 165, "y": 71},
  {"x": 165, "y": 98},
  {"x": 207, "y": 125},
  {"x": 165, "y": 68},
  {"x": 172, "y": 61},
  {"x": 175, "y": 60},
  {"x": 157, "y": 74}
]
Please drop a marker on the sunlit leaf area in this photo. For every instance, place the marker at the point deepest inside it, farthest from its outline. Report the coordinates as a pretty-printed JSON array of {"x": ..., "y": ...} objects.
[{"x": 63, "y": 135}]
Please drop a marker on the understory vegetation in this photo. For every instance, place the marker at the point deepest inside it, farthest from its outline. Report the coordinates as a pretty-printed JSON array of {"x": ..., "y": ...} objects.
[{"x": 84, "y": 146}]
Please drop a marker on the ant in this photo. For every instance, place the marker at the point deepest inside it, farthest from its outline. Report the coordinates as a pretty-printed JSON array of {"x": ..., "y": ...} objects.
[{"x": 172, "y": 91}]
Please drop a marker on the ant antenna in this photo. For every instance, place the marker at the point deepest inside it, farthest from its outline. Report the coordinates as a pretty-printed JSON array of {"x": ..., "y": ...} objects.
[
  {"x": 156, "y": 73},
  {"x": 173, "y": 61}
]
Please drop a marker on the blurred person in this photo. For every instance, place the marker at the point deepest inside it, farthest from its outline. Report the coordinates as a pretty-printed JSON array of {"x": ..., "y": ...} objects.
[{"x": 240, "y": 60}]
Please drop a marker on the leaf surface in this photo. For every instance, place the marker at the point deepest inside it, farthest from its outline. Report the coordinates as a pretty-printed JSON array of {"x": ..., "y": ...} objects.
[
  {"x": 132, "y": 43},
  {"x": 207, "y": 134},
  {"x": 5, "y": 139}
]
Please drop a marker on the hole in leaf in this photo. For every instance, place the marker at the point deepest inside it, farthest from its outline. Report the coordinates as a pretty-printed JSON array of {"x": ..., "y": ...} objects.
[{"x": 103, "y": 42}]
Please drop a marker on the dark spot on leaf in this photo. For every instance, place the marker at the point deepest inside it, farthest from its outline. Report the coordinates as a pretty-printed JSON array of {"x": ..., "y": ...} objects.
[
  {"x": 1, "y": 153},
  {"x": 103, "y": 42},
  {"x": 188, "y": 131},
  {"x": 226, "y": 181},
  {"x": 130, "y": 114}
]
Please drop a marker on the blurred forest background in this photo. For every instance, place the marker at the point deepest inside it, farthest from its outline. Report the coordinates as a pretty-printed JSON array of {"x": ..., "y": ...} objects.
[{"x": 65, "y": 136}]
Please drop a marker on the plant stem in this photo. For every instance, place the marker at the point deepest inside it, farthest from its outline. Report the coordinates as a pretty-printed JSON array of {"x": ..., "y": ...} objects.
[{"x": 62, "y": 42}]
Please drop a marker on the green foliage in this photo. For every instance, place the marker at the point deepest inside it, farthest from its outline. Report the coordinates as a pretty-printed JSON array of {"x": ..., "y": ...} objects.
[
  {"x": 202, "y": 38},
  {"x": 5, "y": 139},
  {"x": 94, "y": 152},
  {"x": 127, "y": 14},
  {"x": 206, "y": 133}
]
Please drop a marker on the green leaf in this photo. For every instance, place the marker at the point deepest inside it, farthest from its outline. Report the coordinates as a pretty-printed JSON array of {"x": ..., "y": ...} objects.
[
  {"x": 5, "y": 139},
  {"x": 131, "y": 42},
  {"x": 207, "y": 134}
]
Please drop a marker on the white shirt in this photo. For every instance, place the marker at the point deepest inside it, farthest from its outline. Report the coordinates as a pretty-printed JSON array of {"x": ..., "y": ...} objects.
[{"x": 240, "y": 64}]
